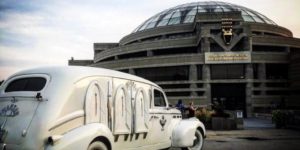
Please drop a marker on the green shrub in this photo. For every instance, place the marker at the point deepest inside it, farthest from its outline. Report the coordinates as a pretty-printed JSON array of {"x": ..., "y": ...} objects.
[
  {"x": 279, "y": 117},
  {"x": 204, "y": 115},
  {"x": 219, "y": 110}
]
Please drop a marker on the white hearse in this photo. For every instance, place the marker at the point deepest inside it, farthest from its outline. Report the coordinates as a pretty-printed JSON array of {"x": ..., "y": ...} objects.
[{"x": 83, "y": 108}]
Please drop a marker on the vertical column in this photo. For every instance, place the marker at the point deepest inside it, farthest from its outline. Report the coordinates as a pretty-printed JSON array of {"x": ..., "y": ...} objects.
[
  {"x": 193, "y": 77},
  {"x": 288, "y": 49},
  {"x": 206, "y": 84},
  {"x": 250, "y": 43},
  {"x": 262, "y": 77},
  {"x": 205, "y": 44},
  {"x": 247, "y": 43},
  {"x": 247, "y": 46},
  {"x": 249, "y": 86},
  {"x": 249, "y": 72}
]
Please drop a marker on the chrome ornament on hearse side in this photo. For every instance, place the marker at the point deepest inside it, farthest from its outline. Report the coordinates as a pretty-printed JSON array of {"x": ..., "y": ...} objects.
[
  {"x": 162, "y": 122},
  {"x": 10, "y": 111}
]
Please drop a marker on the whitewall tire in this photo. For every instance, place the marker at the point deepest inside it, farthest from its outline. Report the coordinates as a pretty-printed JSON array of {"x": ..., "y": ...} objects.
[
  {"x": 198, "y": 142},
  {"x": 97, "y": 145}
]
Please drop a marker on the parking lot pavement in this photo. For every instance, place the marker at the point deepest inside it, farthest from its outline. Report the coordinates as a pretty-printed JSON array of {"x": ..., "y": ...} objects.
[
  {"x": 252, "y": 139},
  {"x": 255, "y": 139},
  {"x": 259, "y": 134},
  {"x": 258, "y": 123}
]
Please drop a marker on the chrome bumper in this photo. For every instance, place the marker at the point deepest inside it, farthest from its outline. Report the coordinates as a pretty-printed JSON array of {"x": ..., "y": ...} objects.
[{"x": 2, "y": 146}]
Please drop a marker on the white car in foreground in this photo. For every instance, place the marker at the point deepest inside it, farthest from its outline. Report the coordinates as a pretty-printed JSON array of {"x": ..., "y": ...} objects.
[{"x": 79, "y": 108}]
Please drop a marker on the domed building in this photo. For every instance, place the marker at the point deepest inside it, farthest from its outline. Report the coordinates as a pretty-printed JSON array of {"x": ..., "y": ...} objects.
[{"x": 210, "y": 52}]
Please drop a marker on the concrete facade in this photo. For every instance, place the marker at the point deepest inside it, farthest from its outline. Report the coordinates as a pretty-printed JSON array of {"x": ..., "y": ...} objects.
[{"x": 173, "y": 56}]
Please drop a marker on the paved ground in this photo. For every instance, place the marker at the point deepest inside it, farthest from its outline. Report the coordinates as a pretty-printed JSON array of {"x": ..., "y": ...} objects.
[
  {"x": 258, "y": 123},
  {"x": 253, "y": 139},
  {"x": 259, "y": 134}
]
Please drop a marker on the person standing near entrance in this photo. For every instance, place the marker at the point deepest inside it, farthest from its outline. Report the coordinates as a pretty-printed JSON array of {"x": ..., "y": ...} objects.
[
  {"x": 180, "y": 106},
  {"x": 191, "y": 110}
]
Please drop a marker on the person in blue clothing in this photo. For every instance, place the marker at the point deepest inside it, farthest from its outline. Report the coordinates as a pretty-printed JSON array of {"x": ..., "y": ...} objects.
[{"x": 180, "y": 106}]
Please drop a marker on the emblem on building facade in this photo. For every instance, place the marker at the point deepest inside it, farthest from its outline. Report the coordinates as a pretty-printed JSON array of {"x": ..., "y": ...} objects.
[{"x": 227, "y": 30}]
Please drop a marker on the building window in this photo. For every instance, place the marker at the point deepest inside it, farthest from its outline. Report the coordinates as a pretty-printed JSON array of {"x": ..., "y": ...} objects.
[
  {"x": 275, "y": 84},
  {"x": 256, "y": 92},
  {"x": 175, "y": 86},
  {"x": 263, "y": 48},
  {"x": 178, "y": 93},
  {"x": 256, "y": 84},
  {"x": 230, "y": 71},
  {"x": 277, "y": 92},
  {"x": 214, "y": 47},
  {"x": 239, "y": 46},
  {"x": 276, "y": 71},
  {"x": 199, "y": 72},
  {"x": 178, "y": 73},
  {"x": 174, "y": 51},
  {"x": 255, "y": 71},
  {"x": 108, "y": 59},
  {"x": 124, "y": 70},
  {"x": 133, "y": 55}
]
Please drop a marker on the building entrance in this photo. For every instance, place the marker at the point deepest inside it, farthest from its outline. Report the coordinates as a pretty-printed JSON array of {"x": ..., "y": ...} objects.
[{"x": 231, "y": 95}]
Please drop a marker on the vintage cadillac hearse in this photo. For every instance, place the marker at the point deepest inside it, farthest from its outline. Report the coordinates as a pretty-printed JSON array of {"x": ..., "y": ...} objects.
[{"x": 79, "y": 108}]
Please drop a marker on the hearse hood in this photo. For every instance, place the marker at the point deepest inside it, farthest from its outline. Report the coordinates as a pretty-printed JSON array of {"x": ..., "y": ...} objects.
[{"x": 16, "y": 115}]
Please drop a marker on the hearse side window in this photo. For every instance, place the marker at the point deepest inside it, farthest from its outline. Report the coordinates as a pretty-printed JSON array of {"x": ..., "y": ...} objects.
[
  {"x": 26, "y": 84},
  {"x": 159, "y": 99}
]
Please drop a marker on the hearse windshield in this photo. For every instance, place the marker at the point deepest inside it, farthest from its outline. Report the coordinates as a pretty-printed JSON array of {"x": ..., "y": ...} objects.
[
  {"x": 159, "y": 100},
  {"x": 26, "y": 84}
]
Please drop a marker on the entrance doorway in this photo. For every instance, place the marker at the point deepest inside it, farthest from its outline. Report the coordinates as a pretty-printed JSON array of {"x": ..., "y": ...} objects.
[{"x": 231, "y": 95}]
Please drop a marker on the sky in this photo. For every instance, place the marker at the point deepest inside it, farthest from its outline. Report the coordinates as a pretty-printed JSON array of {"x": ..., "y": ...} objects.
[{"x": 36, "y": 33}]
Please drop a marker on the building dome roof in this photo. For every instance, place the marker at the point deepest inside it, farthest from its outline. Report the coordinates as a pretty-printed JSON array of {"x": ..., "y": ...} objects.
[{"x": 185, "y": 14}]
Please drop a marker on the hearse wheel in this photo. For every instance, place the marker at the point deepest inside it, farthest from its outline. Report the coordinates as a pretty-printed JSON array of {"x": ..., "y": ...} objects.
[
  {"x": 198, "y": 142},
  {"x": 97, "y": 145}
]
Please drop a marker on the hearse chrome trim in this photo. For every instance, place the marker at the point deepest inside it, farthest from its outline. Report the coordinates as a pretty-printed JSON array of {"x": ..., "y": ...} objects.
[
  {"x": 3, "y": 146},
  {"x": 67, "y": 118}
]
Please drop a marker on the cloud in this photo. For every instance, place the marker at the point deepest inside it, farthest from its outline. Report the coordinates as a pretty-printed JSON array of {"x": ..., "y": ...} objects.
[{"x": 49, "y": 32}]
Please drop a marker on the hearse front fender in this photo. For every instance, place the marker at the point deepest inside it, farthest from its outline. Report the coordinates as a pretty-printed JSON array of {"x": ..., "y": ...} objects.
[
  {"x": 184, "y": 133},
  {"x": 81, "y": 138}
]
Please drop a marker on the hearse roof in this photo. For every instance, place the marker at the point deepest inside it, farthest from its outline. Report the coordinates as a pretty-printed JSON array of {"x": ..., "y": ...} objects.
[{"x": 76, "y": 73}]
